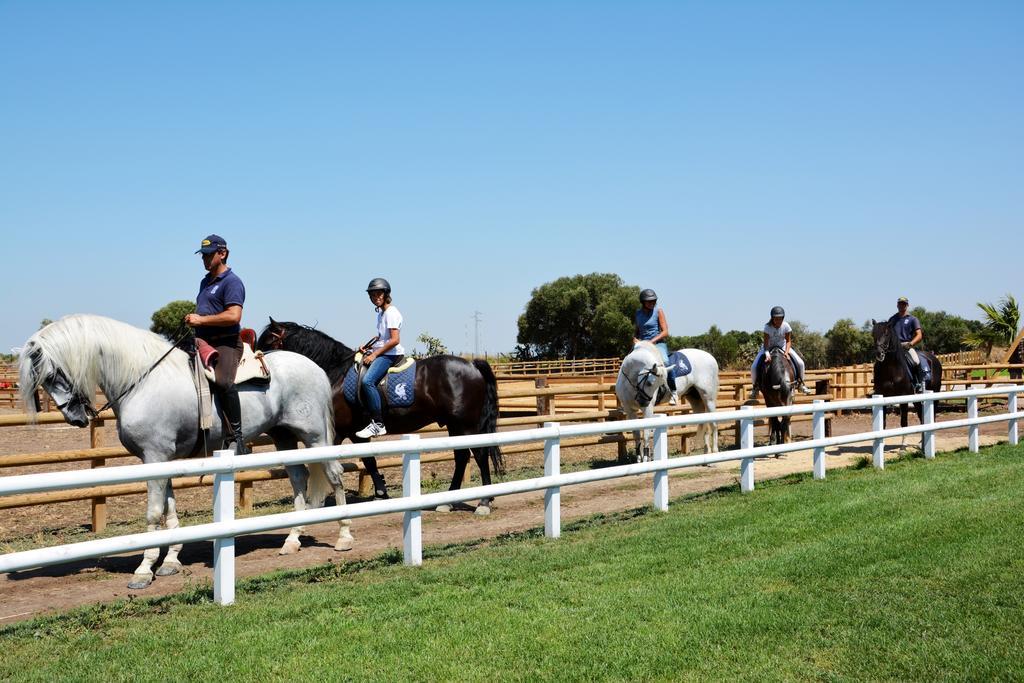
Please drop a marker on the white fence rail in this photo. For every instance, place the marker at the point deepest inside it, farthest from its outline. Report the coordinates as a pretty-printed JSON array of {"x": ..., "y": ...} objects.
[{"x": 223, "y": 465}]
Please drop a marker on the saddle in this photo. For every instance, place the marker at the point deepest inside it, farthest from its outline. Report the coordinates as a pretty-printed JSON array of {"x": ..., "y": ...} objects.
[
  {"x": 396, "y": 387},
  {"x": 251, "y": 368}
]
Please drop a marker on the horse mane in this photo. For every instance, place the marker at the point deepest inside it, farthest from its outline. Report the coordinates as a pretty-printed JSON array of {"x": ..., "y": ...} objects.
[
  {"x": 650, "y": 348},
  {"x": 331, "y": 355},
  {"x": 90, "y": 349}
]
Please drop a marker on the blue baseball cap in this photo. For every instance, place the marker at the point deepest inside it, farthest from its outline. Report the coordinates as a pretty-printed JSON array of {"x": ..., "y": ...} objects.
[{"x": 211, "y": 244}]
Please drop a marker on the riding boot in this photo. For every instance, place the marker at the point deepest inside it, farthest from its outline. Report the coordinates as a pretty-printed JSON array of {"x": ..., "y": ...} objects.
[
  {"x": 233, "y": 417},
  {"x": 753, "y": 392}
]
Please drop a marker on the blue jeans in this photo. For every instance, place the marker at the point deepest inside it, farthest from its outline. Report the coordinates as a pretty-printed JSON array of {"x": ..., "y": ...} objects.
[
  {"x": 371, "y": 398},
  {"x": 663, "y": 347}
]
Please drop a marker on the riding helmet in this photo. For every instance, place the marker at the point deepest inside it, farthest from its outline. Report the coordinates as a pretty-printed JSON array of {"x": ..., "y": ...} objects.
[
  {"x": 648, "y": 295},
  {"x": 379, "y": 284},
  {"x": 778, "y": 312}
]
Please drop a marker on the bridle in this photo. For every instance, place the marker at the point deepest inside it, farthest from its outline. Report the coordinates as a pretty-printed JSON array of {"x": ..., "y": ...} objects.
[
  {"x": 277, "y": 339},
  {"x": 642, "y": 397},
  {"x": 887, "y": 343}
]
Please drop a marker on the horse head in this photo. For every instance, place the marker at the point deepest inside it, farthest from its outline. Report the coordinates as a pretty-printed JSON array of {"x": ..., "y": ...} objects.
[
  {"x": 38, "y": 370},
  {"x": 775, "y": 369},
  {"x": 645, "y": 371},
  {"x": 272, "y": 337},
  {"x": 884, "y": 337}
]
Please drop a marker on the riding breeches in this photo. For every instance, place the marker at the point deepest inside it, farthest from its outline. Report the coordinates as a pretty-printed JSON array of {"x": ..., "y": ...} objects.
[
  {"x": 229, "y": 352},
  {"x": 798, "y": 365}
]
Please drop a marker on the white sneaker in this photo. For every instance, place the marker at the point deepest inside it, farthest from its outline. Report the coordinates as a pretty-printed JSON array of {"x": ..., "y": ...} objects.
[
  {"x": 373, "y": 429},
  {"x": 672, "y": 400},
  {"x": 805, "y": 389}
]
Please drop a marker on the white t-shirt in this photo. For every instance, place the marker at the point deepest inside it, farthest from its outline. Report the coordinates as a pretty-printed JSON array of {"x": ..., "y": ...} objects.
[
  {"x": 777, "y": 335},
  {"x": 388, "y": 319}
]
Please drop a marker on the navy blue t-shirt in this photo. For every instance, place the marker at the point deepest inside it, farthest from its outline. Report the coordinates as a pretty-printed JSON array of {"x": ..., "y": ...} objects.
[
  {"x": 214, "y": 297},
  {"x": 906, "y": 327}
]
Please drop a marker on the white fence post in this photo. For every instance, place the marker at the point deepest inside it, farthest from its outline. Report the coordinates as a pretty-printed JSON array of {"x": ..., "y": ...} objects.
[
  {"x": 819, "y": 433},
  {"x": 224, "y": 548},
  {"x": 1011, "y": 408},
  {"x": 412, "y": 521},
  {"x": 661, "y": 476},
  {"x": 746, "y": 441},
  {"x": 877, "y": 425},
  {"x": 553, "y": 495},
  {"x": 928, "y": 438},
  {"x": 972, "y": 431}
]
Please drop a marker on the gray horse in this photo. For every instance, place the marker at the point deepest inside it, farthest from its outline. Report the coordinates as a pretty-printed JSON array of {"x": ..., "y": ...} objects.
[{"x": 157, "y": 411}]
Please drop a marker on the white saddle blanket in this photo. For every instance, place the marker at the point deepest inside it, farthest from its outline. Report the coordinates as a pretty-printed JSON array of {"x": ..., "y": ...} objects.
[{"x": 250, "y": 368}]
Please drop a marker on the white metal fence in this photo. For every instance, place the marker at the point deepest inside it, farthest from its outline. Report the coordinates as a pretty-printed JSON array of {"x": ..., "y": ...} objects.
[{"x": 223, "y": 465}]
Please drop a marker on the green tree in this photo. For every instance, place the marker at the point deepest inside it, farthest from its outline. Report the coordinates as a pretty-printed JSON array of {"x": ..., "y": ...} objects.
[
  {"x": 999, "y": 326},
  {"x": 846, "y": 344},
  {"x": 811, "y": 346},
  {"x": 44, "y": 322},
  {"x": 167, "y": 321},
  {"x": 729, "y": 348},
  {"x": 944, "y": 332},
  {"x": 434, "y": 345},
  {"x": 582, "y": 316}
]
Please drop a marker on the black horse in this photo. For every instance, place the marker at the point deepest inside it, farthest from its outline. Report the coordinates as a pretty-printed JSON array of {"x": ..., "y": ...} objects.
[
  {"x": 451, "y": 391},
  {"x": 776, "y": 379},
  {"x": 892, "y": 376}
]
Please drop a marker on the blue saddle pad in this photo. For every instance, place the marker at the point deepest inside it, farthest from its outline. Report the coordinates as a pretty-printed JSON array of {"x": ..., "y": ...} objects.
[
  {"x": 396, "y": 387},
  {"x": 679, "y": 365}
]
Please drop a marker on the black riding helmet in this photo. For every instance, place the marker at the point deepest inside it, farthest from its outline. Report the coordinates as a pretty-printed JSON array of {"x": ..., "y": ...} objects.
[
  {"x": 778, "y": 312},
  {"x": 379, "y": 284},
  {"x": 648, "y": 295}
]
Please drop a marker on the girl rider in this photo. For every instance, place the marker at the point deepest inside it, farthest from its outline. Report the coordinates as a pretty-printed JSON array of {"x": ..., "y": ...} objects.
[
  {"x": 778, "y": 333},
  {"x": 380, "y": 354}
]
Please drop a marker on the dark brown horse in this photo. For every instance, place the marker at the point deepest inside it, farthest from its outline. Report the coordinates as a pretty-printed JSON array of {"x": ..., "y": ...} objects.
[
  {"x": 776, "y": 381},
  {"x": 451, "y": 391},
  {"x": 892, "y": 369}
]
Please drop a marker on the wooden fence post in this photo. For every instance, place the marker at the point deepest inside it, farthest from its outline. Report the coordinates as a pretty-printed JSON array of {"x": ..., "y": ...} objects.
[
  {"x": 99, "y": 503},
  {"x": 543, "y": 402}
]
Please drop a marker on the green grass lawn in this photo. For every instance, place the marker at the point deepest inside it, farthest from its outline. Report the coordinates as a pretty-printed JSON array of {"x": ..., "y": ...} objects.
[{"x": 911, "y": 573}]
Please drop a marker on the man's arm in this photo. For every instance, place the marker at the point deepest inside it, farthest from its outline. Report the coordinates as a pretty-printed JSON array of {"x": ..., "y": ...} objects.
[{"x": 230, "y": 316}]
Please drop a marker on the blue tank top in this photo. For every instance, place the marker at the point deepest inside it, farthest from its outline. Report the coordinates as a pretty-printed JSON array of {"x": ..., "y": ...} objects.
[{"x": 647, "y": 323}]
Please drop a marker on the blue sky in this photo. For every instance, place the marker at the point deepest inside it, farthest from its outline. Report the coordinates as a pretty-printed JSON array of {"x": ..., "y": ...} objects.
[{"x": 828, "y": 156}]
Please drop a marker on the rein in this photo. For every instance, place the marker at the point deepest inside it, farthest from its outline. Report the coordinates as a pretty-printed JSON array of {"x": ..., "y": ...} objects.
[
  {"x": 641, "y": 379},
  {"x": 93, "y": 412}
]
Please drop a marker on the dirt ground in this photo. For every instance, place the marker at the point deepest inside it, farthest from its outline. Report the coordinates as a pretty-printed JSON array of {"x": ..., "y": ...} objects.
[{"x": 31, "y": 593}]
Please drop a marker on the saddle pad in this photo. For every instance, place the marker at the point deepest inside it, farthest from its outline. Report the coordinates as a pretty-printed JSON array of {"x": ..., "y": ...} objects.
[
  {"x": 396, "y": 387},
  {"x": 251, "y": 367},
  {"x": 679, "y": 365}
]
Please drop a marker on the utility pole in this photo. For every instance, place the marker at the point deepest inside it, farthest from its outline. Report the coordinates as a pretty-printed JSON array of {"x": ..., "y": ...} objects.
[{"x": 476, "y": 333}]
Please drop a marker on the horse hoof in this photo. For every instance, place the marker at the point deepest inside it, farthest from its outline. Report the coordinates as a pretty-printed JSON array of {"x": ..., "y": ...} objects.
[
  {"x": 443, "y": 508},
  {"x": 483, "y": 510},
  {"x": 289, "y": 548},
  {"x": 140, "y": 581},
  {"x": 344, "y": 544},
  {"x": 169, "y": 569}
]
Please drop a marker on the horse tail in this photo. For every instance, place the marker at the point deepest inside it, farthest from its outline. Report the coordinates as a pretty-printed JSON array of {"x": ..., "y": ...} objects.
[
  {"x": 489, "y": 415},
  {"x": 318, "y": 487}
]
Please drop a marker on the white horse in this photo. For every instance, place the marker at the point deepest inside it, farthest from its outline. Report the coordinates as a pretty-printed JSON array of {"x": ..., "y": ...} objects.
[
  {"x": 157, "y": 411},
  {"x": 700, "y": 387},
  {"x": 641, "y": 377}
]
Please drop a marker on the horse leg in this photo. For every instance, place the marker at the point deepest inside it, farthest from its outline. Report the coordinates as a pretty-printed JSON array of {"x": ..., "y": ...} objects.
[
  {"x": 380, "y": 487},
  {"x": 461, "y": 461},
  {"x": 298, "y": 475},
  {"x": 333, "y": 471},
  {"x": 170, "y": 565},
  {"x": 157, "y": 496},
  {"x": 480, "y": 455}
]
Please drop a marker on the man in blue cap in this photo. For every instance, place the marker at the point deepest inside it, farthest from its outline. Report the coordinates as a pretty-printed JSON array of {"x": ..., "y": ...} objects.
[
  {"x": 217, "y": 321},
  {"x": 909, "y": 332}
]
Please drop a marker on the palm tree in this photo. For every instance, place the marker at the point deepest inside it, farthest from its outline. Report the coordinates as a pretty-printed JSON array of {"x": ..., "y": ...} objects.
[{"x": 998, "y": 327}]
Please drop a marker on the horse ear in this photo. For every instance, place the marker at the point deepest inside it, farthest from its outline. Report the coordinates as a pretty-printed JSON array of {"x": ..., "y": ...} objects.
[
  {"x": 272, "y": 321},
  {"x": 873, "y": 322}
]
